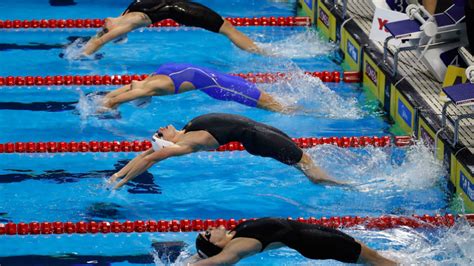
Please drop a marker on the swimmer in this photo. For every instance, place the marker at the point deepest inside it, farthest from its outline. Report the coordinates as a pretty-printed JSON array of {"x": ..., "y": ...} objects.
[
  {"x": 217, "y": 246},
  {"x": 208, "y": 132},
  {"x": 179, "y": 78},
  {"x": 142, "y": 13}
]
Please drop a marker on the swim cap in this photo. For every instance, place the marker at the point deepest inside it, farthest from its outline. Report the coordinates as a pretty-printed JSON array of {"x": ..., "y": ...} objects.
[
  {"x": 205, "y": 248},
  {"x": 158, "y": 143}
]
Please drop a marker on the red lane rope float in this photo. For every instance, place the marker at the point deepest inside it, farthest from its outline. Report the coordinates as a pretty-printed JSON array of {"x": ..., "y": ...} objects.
[
  {"x": 352, "y": 77},
  {"x": 91, "y": 80},
  {"x": 97, "y": 23},
  {"x": 137, "y": 145},
  {"x": 188, "y": 225}
]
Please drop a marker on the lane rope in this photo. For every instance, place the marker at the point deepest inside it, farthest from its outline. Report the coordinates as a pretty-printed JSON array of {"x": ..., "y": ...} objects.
[
  {"x": 111, "y": 80},
  {"x": 61, "y": 24},
  {"x": 142, "y": 145},
  {"x": 196, "y": 225}
]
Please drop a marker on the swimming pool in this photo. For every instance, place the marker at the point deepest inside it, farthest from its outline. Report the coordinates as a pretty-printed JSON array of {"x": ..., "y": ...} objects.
[{"x": 70, "y": 187}]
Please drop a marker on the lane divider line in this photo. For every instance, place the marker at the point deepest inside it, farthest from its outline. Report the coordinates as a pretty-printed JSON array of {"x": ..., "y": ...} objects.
[
  {"x": 61, "y": 24},
  {"x": 196, "y": 225},
  {"x": 111, "y": 80},
  {"x": 142, "y": 145}
]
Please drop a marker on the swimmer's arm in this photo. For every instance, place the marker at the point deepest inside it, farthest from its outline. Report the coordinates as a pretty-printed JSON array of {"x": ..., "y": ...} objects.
[
  {"x": 126, "y": 96},
  {"x": 129, "y": 166},
  {"x": 233, "y": 252},
  {"x": 118, "y": 91},
  {"x": 104, "y": 37},
  {"x": 145, "y": 162},
  {"x": 223, "y": 258}
]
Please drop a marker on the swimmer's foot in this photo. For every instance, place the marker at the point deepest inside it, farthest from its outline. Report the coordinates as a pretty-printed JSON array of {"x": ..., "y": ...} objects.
[{"x": 291, "y": 109}]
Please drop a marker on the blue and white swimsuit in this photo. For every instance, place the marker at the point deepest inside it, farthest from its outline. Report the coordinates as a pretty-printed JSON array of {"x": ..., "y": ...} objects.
[{"x": 218, "y": 85}]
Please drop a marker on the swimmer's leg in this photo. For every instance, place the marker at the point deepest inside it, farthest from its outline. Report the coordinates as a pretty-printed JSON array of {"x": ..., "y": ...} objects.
[
  {"x": 314, "y": 173},
  {"x": 116, "y": 28},
  {"x": 238, "y": 38},
  {"x": 372, "y": 257},
  {"x": 268, "y": 102}
]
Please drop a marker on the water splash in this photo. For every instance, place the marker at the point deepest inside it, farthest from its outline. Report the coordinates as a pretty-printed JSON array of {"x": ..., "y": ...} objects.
[
  {"x": 184, "y": 258},
  {"x": 75, "y": 49},
  {"x": 375, "y": 169},
  {"x": 453, "y": 246},
  {"x": 291, "y": 46},
  {"x": 315, "y": 98},
  {"x": 88, "y": 108},
  {"x": 89, "y": 104},
  {"x": 419, "y": 169}
]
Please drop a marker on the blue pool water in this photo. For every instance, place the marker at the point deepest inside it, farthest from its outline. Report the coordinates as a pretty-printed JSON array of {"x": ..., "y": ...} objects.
[{"x": 70, "y": 187}]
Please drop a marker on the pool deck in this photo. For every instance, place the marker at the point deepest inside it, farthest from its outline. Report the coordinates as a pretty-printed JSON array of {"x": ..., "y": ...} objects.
[
  {"x": 411, "y": 97},
  {"x": 419, "y": 77}
]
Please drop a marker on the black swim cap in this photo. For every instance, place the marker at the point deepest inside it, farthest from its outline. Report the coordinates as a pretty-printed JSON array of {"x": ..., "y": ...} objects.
[{"x": 205, "y": 248}]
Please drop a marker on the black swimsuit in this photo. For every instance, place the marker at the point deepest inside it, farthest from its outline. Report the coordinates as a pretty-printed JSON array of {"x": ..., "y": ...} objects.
[
  {"x": 182, "y": 11},
  {"x": 257, "y": 138},
  {"x": 312, "y": 241}
]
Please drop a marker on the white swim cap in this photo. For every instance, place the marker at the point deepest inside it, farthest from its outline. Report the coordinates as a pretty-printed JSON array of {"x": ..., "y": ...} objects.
[{"x": 158, "y": 143}]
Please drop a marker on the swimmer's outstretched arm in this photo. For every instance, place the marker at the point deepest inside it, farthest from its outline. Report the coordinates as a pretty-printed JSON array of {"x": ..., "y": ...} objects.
[
  {"x": 95, "y": 43},
  {"x": 124, "y": 25},
  {"x": 119, "y": 91},
  {"x": 231, "y": 254},
  {"x": 219, "y": 259},
  {"x": 129, "y": 166},
  {"x": 144, "y": 162},
  {"x": 126, "y": 96}
]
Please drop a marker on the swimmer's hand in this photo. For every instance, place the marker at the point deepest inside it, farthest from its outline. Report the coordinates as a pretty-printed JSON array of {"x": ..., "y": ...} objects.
[
  {"x": 103, "y": 109},
  {"x": 113, "y": 179},
  {"x": 106, "y": 106}
]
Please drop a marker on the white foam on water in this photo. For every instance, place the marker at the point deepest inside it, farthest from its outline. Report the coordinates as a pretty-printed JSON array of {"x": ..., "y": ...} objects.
[
  {"x": 88, "y": 104},
  {"x": 453, "y": 246},
  {"x": 372, "y": 169},
  {"x": 74, "y": 50},
  {"x": 313, "y": 97},
  {"x": 290, "y": 47}
]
